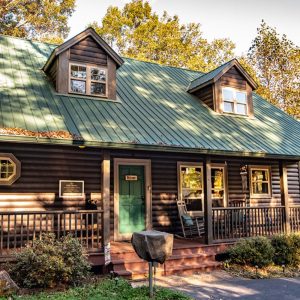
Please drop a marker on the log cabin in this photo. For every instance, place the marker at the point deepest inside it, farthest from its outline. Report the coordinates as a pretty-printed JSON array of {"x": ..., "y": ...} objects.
[{"x": 101, "y": 146}]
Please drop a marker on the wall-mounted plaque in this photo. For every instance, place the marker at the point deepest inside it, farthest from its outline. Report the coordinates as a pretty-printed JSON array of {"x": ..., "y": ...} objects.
[
  {"x": 71, "y": 188},
  {"x": 131, "y": 177}
]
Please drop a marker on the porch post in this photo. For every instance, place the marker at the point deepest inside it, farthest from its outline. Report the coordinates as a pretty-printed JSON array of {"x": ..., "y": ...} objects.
[
  {"x": 208, "y": 201},
  {"x": 105, "y": 185},
  {"x": 285, "y": 195}
]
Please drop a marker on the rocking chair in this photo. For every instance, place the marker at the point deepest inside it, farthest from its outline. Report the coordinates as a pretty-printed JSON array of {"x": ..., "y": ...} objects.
[{"x": 191, "y": 226}]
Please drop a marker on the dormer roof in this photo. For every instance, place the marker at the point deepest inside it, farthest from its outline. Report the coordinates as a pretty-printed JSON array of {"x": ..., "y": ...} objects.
[
  {"x": 214, "y": 75},
  {"x": 79, "y": 37}
]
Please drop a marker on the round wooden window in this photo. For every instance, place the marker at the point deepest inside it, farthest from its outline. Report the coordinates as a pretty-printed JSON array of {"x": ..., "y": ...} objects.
[{"x": 10, "y": 169}]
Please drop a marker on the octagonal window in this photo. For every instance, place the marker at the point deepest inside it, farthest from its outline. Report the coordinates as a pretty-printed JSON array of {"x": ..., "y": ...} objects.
[{"x": 9, "y": 169}]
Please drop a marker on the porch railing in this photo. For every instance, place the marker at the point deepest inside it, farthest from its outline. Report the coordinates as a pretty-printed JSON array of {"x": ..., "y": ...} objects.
[
  {"x": 232, "y": 223},
  {"x": 18, "y": 229},
  {"x": 295, "y": 218}
]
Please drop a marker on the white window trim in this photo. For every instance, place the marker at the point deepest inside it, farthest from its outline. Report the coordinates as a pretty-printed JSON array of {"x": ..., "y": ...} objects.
[
  {"x": 87, "y": 80},
  {"x": 179, "y": 188},
  {"x": 16, "y": 169},
  {"x": 235, "y": 102},
  {"x": 224, "y": 167},
  {"x": 263, "y": 168}
]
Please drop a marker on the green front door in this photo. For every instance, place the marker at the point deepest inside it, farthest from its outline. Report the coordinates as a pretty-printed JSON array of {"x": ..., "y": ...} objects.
[{"x": 131, "y": 199}]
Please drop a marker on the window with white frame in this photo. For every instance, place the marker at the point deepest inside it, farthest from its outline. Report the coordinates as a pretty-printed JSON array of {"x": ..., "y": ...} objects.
[
  {"x": 260, "y": 180},
  {"x": 218, "y": 188},
  {"x": 234, "y": 101},
  {"x": 191, "y": 186},
  {"x": 88, "y": 80},
  {"x": 9, "y": 168}
]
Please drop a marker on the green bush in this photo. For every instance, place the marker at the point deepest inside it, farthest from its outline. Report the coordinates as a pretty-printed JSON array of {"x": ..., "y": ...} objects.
[
  {"x": 256, "y": 251},
  {"x": 287, "y": 249},
  {"x": 49, "y": 262}
]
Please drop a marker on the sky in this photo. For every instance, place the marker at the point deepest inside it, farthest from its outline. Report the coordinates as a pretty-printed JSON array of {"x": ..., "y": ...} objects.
[{"x": 234, "y": 19}]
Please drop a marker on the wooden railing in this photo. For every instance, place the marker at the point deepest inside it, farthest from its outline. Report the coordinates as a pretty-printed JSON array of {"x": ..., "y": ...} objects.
[
  {"x": 18, "y": 229},
  {"x": 232, "y": 223},
  {"x": 295, "y": 218}
]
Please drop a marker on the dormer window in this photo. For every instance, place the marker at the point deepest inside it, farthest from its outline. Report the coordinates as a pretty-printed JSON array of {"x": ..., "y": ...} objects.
[
  {"x": 234, "y": 101},
  {"x": 84, "y": 65},
  {"x": 88, "y": 80}
]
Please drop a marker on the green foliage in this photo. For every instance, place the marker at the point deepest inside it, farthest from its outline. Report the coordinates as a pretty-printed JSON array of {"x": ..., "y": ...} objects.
[
  {"x": 276, "y": 61},
  {"x": 137, "y": 32},
  {"x": 50, "y": 261},
  {"x": 256, "y": 251},
  {"x": 287, "y": 249},
  {"x": 41, "y": 20},
  {"x": 108, "y": 289}
]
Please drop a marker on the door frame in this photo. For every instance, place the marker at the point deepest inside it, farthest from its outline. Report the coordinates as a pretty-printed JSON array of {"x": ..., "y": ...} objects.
[{"x": 148, "y": 193}]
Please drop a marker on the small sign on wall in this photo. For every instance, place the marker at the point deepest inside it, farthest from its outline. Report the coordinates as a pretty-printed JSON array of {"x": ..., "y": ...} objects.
[
  {"x": 71, "y": 188},
  {"x": 131, "y": 178}
]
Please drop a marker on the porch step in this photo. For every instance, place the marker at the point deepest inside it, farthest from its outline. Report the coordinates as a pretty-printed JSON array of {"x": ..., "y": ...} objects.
[{"x": 188, "y": 257}]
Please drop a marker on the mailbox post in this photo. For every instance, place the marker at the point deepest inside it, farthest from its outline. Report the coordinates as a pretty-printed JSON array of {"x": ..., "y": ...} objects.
[{"x": 154, "y": 247}]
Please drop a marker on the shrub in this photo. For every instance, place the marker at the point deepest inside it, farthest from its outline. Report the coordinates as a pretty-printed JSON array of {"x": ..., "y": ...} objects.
[
  {"x": 256, "y": 251},
  {"x": 49, "y": 262},
  {"x": 287, "y": 249}
]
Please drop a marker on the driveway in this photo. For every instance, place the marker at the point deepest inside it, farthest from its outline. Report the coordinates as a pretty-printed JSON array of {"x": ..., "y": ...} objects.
[{"x": 219, "y": 285}]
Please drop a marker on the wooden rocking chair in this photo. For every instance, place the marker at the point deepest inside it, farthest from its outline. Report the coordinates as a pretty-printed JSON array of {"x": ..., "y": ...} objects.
[{"x": 191, "y": 226}]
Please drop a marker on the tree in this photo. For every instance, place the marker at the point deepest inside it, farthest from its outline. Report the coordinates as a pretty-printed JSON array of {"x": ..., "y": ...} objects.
[
  {"x": 276, "y": 61},
  {"x": 43, "y": 20},
  {"x": 135, "y": 31}
]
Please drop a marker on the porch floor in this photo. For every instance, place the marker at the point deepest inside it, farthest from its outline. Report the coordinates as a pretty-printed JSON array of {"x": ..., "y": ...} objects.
[{"x": 188, "y": 257}]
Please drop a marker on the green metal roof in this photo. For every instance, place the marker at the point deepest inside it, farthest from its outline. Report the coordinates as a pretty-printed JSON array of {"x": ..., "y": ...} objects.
[{"x": 154, "y": 110}]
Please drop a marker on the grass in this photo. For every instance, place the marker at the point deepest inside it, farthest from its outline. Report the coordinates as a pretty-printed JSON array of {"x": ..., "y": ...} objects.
[{"x": 106, "y": 289}]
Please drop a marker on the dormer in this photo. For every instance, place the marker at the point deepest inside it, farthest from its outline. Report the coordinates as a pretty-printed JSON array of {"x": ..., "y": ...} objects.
[
  {"x": 84, "y": 65},
  {"x": 226, "y": 89}
]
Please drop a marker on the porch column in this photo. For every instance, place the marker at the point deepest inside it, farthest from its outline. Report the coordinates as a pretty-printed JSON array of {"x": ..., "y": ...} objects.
[
  {"x": 105, "y": 185},
  {"x": 285, "y": 195},
  {"x": 208, "y": 201}
]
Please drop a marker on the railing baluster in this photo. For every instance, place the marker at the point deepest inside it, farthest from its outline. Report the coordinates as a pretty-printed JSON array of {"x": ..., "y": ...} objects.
[
  {"x": 2, "y": 229},
  {"x": 8, "y": 231}
]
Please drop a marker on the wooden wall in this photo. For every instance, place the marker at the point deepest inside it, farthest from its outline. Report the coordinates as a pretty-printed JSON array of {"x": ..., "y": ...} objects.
[
  {"x": 88, "y": 51},
  {"x": 233, "y": 78},
  {"x": 42, "y": 167},
  {"x": 206, "y": 95},
  {"x": 293, "y": 171}
]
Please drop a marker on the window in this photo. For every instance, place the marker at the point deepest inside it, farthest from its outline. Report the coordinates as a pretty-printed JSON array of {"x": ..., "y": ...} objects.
[
  {"x": 191, "y": 186},
  {"x": 218, "y": 186},
  {"x": 88, "y": 80},
  {"x": 234, "y": 101},
  {"x": 260, "y": 181},
  {"x": 9, "y": 169}
]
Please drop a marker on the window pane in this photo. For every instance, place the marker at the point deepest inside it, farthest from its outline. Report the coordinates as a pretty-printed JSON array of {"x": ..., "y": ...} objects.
[
  {"x": 98, "y": 74},
  {"x": 241, "y": 109},
  {"x": 228, "y": 106},
  {"x": 217, "y": 178},
  {"x": 6, "y": 169},
  {"x": 78, "y": 71},
  {"x": 191, "y": 187},
  {"x": 217, "y": 182},
  {"x": 78, "y": 86},
  {"x": 260, "y": 181},
  {"x": 227, "y": 94},
  {"x": 241, "y": 97},
  {"x": 98, "y": 88}
]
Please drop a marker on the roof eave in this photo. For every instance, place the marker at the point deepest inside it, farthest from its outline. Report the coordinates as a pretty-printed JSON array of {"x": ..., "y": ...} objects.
[{"x": 142, "y": 147}]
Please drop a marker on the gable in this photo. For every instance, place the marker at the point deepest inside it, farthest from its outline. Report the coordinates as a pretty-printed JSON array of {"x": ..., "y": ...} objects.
[
  {"x": 88, "y": 50},
  {"x": 234, "y": 78}
]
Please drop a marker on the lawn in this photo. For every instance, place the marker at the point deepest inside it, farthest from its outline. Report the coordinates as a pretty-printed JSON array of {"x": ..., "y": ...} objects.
[{"x": 107, "y": 289}]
